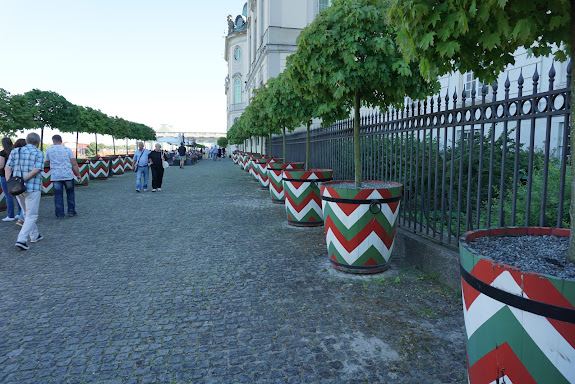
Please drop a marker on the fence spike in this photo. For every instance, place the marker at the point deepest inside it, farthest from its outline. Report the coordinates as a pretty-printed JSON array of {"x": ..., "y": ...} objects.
[
  {"x": 552, "y": 75},
  {"x": 520, "y": 81},
  {"x": 507, "y": 86}
]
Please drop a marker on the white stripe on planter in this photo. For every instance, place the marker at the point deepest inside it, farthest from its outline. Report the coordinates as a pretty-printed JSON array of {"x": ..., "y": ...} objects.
[{"x": 349, "y": 258}]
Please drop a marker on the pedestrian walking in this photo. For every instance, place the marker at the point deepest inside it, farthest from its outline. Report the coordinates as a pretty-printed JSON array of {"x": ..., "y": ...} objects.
[
  {"x": 64, "y": 171},
  {"x": 182, "y": 153},
  {"x": 219, "y": 154},
  {"x": 11, "y": 201},
  {"x": 141, "y": 167},
  {"x": 156, "y": 157},
  {"x": 215, "y": 153},
  {"x": 28, "y": 162}
]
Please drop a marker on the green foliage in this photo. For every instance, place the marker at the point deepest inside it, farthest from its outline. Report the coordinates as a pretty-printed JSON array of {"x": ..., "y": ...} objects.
[
  {"x": 478, "y": 36},
  {"x": 51, "y": 109},
  {"x": 348, "y": 57},
  {"x": 223, "y": 142},
  {"x": 14, "y": 113}
]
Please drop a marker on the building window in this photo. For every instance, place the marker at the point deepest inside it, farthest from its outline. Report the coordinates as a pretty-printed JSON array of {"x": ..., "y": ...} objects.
[
  {"x": 323, "y": 4},
  {"x": 237, "y": 91},
  {"x": 469, "y": 80},
  {"x": 237, "y": 54}
]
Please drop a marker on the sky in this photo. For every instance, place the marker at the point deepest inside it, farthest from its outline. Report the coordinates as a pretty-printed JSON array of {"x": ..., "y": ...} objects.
[{"x": 148, "y": 61}]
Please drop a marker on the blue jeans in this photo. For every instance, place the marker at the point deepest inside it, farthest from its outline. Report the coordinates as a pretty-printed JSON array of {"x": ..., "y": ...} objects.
[
  {"x": 10, "y": 200},
  {"x": 142, "y": 173},
  {"x": 59, "y": 197}
]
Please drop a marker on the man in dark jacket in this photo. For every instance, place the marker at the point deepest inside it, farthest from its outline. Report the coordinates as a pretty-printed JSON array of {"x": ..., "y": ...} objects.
[{"x": 182, "y": 153}]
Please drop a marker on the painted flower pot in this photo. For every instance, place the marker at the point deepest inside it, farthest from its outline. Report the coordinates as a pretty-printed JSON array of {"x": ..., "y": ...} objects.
[
  {"x": 108, "y": 159},
  {"x": 116, "y": 165},
  {"x": 302, "y": 196},
  {"x": 262, "y": 172},
  {"x": 128, "y": 163},
  {"x": 251, "y": 163},
  {"x": 275, "y": 175},
  {"x": 99, "y": 168},
  {"x": 244, "y": 161},
  {"x": 519, "y": 325},
  {"x": 47, "y": 186},
  {"x": 235, "y": 156},
  {"x": 84, "y": 165},
  {"x": 360, "y": 224}
]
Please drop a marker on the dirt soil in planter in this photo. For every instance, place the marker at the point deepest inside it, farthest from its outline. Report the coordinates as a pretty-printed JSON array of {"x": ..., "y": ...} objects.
[
  {"x": 540, "y": 254},
  {"x": 364, "y": 185}
]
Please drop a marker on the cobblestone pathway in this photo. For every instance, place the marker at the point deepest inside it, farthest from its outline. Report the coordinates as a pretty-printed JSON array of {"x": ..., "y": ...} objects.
[{"x": 205, "y": 282}]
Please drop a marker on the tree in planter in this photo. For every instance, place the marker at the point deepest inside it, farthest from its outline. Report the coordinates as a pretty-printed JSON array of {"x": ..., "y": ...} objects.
[
  {"x": 223, "y": 142},
  {"x": 348, "y": 56},
  {"x": 51, "y": 109},
  {"x": 438, "y": 33}
]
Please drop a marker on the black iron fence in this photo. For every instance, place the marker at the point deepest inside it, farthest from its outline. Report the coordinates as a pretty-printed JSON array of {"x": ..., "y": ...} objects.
[{"x": 476, "y": 162}]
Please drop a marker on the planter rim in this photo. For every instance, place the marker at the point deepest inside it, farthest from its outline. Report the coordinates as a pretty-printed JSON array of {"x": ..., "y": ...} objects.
[
  {"x": 334, "y": 183},
  {"x": 311, "y": 170},
  {"x": 469, "y": 236}
]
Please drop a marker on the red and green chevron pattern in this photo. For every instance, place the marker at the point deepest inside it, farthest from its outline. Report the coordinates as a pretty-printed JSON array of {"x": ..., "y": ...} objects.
[
  {"x": 302, "y": 198},
  {"x": 275, "y": 175},
  {"x": 505, "y": 342},
  {"x": 99, "y": 168},
  {"x": 235, "y": 156},
  {"x": 128, "y": 163},
  {"x": 2, "y": 200},
  {"x": 47, "y": 186},
  {"x": 243, "y": 161},
  {"x": 262, "y": 172},
  {"x": 117, "y": 164},
  {"x": 84, "y": 165},
  {"x": 360, "y": 236}
]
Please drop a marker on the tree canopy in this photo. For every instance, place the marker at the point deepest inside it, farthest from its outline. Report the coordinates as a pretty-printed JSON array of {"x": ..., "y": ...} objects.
[
  {"x": 348, "y": 57},
  {"x": 479, "y": 36}
]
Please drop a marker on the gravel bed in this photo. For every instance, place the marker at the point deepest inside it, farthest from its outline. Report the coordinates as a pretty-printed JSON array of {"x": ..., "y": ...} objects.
[
  {"x": 540, "y": 254},
  {"x": 364, "y": 185}
]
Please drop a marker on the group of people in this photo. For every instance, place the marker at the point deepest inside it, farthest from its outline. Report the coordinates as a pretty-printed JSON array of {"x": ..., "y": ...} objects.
[
  {"x": 24, "y": 159},
  {"x": 216, "y": 153},
  {"x": 144, "y": 160}
]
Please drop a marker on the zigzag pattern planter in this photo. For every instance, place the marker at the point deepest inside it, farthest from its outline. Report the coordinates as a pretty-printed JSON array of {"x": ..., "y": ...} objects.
[
  {"x": 262, "y": 172},
  {"x": 302, "y": 196},
  {"x": 117, "y": 164},
  {"x": 360, "y": 225},
  {"x": 47, "y": 186},
  {"x": 128, "y": 163},
  {"x": 520, "y": 326},
  {"x": 84, "y": 165},
  {"x": 275, "y": 175},
  {"x": 99, "y": 168}
]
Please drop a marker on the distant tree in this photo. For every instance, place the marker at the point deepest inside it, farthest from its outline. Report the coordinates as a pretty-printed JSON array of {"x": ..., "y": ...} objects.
[{"x": 223, "y": 142}]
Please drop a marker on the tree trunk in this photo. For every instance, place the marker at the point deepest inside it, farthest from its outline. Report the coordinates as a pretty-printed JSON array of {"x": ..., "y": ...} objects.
[
  {"x": 270, "y": 144},
  {"x": 284, "y": 143},
  {"x": 77, "y": 135},
  {"x": 114, "y": 144},
  {"x": 571, "y": 251},
  {"x": 307, "y": 147},
  {"x": 356, "y": 147},
  {"x": 42, "y": 139},
  {"x": 95, "y": 134},
  {"x": 126, "y": 146}
]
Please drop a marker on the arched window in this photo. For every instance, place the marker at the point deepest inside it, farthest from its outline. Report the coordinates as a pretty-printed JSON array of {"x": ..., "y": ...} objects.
[
  {"x": 237, "y": 91},
  {"x": 237, "y": 54}
]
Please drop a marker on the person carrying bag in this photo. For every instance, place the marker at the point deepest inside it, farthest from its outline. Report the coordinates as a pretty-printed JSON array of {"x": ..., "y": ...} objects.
[{"x": 15, "y": 184}]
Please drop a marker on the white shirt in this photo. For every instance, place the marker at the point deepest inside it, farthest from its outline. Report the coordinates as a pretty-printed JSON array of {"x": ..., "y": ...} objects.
[{"x": 60, "y": 167}]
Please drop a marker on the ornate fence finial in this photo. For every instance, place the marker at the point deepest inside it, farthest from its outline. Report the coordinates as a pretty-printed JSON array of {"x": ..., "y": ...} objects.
[
  {"x": 535, "y": 80},
  {"x": 552, "y": 75},
  {"x": 495, "y": 87},
  {"x": 507, "y": 86},
  {"x": 463, "y": 96},
  {"x": 520, "y": 82},
  {"x": 455, "y": 98}
]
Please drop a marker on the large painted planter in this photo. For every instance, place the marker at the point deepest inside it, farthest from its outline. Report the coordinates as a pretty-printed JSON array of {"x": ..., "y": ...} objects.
[
  {"x": 519, "y": 326},
  {"x": 99, "y": 168},
  {"x": 116, "y": 165},
  {"x": 262, "y": 172},
  {"x": 275, "y": 175},
  {"x": 47, "y": 186},
  {"x": 84, "y": 165},
  {"x": 360, "y": 225},
  {"x": 235, "y": 156},
  {"x": 251, "y": 163},
  {"x": 128, "y": 163},
  {"x": 302, "y": 196},
  {"x": 244, "y": 160}
]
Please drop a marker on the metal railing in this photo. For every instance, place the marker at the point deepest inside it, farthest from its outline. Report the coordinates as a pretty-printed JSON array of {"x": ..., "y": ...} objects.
[{"x": 476, "y": 163}]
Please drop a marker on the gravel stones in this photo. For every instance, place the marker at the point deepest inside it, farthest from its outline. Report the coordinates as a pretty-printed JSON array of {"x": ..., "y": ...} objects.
[
  {"x": 364, "y": 185},
  {"x": 541, "y": 254}
]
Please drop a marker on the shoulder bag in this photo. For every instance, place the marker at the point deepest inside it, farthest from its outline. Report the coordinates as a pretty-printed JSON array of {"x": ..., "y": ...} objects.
[
  {"x": 16, "y": 185},
  {"x": 165, "y": 164}
]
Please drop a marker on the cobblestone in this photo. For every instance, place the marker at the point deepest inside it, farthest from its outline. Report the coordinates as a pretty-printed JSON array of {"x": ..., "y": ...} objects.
[{"x": 205, "y": 282}]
